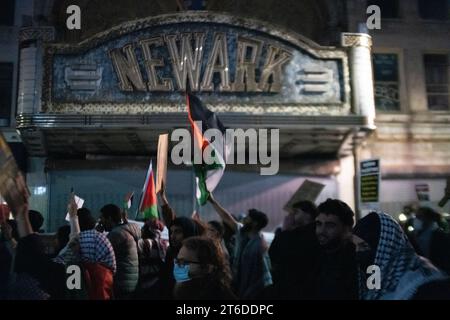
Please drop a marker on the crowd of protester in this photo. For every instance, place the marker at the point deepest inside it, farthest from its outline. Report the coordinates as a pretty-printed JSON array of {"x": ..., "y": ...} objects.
[{"x": 319, "y": 253}]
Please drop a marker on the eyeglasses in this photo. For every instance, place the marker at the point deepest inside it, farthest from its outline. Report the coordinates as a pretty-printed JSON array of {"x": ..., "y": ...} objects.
[{"x": 183, "y": 262}]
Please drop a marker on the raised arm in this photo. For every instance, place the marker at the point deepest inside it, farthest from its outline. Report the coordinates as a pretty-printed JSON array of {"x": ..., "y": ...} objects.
[
  {"x": 72, "y": 208},
  {"x": 21, "y": 213},
  {"x": 195, "y": 216},
  {"x": 226, "y": 217},
  {"x": 125, "y": 208},
  {"x": 168, "y": 214}
]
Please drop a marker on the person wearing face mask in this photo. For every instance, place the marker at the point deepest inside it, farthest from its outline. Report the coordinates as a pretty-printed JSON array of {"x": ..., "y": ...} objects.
[
  {"x": 336, "y": 274},
  {"x": 251, "y": 263},
  {"x": 403, "y": 274},
  {"x": 201, "y": 271},
  {"x": 180, "y": 228},
  {"x": 365, "y": 238},
  {"x": 293, "y": 253},
  {"x": 430, "y": 240}
]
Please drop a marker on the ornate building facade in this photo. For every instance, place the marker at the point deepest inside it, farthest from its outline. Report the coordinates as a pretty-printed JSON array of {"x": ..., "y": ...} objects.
[{"x": 91, "y": 102}]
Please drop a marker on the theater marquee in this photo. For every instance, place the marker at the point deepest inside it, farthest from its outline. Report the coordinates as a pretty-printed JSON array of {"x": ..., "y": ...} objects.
[
  {"x": 187, "y": 61},
  {"x": 114, "y": 93},
  {"x": 233, "y": 64}
]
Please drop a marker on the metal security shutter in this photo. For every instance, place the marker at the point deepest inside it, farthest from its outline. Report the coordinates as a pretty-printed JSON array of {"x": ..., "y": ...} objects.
[
  {"x": 100, "y": 187},
  {"x": 237, "y": 192}
]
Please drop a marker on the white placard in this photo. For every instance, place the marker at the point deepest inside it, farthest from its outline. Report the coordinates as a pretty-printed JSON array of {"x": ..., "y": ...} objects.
[{"x": 79, "y": 203}]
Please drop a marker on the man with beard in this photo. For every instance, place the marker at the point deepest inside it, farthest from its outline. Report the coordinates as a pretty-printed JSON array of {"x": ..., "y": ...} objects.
[
  {"x": 251, "y": 264},
  {"x": 336, "y": 277}
]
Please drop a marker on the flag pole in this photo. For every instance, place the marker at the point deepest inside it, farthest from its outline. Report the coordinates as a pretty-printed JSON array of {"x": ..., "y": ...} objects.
[
  {"x": 195, "y": 205},
  {"x": 147, "y": 176},
  {"x": 194, "y": 182}
]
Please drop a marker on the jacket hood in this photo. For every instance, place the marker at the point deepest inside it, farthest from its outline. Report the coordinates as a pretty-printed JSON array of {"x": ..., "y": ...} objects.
[{"x": 133, "y": 229}]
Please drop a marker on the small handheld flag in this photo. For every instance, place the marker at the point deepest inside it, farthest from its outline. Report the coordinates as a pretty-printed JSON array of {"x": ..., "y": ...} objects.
[{"x": 148, "y": 204}]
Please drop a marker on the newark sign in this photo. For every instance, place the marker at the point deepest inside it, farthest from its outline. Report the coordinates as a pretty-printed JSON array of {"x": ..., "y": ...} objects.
[
  {"x": 187, "y": 61},
  {"x": 225, "y": 60}
]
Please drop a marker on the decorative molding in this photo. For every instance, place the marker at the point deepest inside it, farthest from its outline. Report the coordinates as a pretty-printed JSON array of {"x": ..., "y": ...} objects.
[
  {"x": 46, "y": 34},
  {"x": 356, "y": 40},
  {"x": 83, "y": 76},
  {"x": 179, "y": 119},
  {"x": 296, "y": 39},
  {"x": 147, "y": 108}
]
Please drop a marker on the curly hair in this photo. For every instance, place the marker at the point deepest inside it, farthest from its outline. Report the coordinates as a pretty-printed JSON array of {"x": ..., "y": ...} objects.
[
  {"x": 339, "y": 209},
  {"x": 209, "y": 253}
]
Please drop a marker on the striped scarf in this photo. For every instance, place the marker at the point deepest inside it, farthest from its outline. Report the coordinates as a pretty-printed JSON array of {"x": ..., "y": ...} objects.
[{"x": 402, "y": 270}]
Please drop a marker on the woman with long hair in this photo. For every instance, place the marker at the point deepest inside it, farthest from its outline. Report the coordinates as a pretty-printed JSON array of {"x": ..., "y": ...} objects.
[{"x": 201, "y": 271}]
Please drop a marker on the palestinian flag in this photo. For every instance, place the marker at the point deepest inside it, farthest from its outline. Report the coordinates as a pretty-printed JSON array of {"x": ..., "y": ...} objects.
[
  {"x": 207, "y": 175},
  {"x": 148, "y": 205}
]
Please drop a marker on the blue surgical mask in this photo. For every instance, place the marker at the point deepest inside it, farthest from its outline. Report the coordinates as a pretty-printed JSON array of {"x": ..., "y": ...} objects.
[{"x": 181, "y": 272}]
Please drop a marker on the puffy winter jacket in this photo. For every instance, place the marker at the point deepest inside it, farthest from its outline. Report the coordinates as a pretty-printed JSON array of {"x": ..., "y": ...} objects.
[{"x": 124, "y": 239}]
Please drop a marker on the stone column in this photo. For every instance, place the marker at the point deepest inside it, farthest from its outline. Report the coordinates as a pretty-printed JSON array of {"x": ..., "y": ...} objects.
[
  {"x": 346, "y": 182},
  {"x": 31, "y": 68},
  {"x": 360, "y": 63}
]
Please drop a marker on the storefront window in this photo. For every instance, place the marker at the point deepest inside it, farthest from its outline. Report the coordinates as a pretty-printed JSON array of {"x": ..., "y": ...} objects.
[
  {"x": 437, "y": 81},
  {"x": 435, "y": 9},
  {"x": 385, "y": 67}
]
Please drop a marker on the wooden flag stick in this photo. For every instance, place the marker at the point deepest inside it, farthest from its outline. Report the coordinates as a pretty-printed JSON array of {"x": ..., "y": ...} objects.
[{"x": 161, "y": 161}]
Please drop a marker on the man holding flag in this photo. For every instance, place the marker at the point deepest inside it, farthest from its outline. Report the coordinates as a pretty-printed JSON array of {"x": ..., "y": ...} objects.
[
  {"x": 252, "y": 277},
  {"x": 125, "y": 236}
]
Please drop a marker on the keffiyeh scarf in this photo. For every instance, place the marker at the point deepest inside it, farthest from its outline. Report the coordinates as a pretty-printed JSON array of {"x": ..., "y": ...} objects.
[{"x": 402, "y": 270}]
